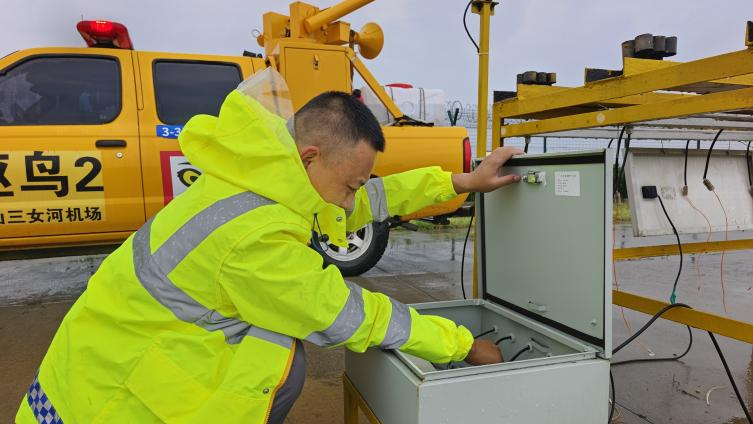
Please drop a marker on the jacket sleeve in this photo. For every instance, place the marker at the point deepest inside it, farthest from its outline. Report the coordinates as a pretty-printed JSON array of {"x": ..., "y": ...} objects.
[
  {"x": 400, "y": 194},
  {"x": 276, "y": 282}
]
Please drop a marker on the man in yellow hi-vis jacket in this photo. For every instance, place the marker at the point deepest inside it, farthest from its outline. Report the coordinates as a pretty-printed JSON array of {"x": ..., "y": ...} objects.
[{"x": 198, "y": 316}]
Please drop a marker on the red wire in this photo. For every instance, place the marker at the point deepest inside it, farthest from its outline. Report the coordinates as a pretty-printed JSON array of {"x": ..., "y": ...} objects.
[
  {"x": 617, "y": 286},
  {"x": 721, "y": 266},
  {"x": 708, "y": 237}
]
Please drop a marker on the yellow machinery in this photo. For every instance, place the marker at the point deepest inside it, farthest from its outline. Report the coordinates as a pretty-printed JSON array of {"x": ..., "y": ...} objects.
[{"x": 314, "y": 51}]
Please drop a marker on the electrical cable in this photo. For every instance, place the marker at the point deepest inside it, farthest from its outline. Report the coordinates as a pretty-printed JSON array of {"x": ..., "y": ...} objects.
[
  {"x": 617, "y": 158},
  {"x": 713, "y": 340},
  {"x": 708, "y": 159},
  {"x": 729, "y": 375},
  {"x": 673, "y": 295},
  {"x": 490, "y": 331},
  {"x": 685, "y": 170},
  {"x": 648, "y": 324},
  {"x": 669, "y": 358},
  {"x": 465, "y": 25},
  {"x": 624, "y": 160},
  {"x": 320, "y": 238},
  {"x": 520, "y": 352},
  {"x": 503, "y": 339},
  {"x": 630, "y": 339},
  {"x": 462, "y": 258}
]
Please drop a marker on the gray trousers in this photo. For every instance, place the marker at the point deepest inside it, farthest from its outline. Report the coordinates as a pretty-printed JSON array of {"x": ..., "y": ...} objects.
[{"x": 291, "y": 389}]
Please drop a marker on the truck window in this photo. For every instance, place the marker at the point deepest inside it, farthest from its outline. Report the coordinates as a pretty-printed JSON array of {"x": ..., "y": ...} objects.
[
  {"x": 60, "y": 90},
  {"x": 184, "y": 89}
]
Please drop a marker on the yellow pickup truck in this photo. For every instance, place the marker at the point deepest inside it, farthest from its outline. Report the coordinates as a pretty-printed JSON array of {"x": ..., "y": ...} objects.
[{"x": 88, "y": 136}]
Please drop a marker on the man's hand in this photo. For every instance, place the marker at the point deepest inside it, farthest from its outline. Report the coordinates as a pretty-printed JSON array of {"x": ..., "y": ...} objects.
[
  {"x": 486, "y": 177},
  {"x": 484, "y": 352}
]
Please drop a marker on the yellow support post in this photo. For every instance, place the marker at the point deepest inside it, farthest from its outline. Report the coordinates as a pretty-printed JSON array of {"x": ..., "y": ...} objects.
[
  {"x": 485, "y": 9},
  {"x": 355, "y": 402},
  {"x": 496, "y": 140},
  {"x": 475, "y": 261},
  {"x": 374, "y": 85}
]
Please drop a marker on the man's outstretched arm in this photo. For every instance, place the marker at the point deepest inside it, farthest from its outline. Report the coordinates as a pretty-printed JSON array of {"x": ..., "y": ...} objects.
[
  {"x": 275, "y": 282},
  {"x": 410, "y": 191}
]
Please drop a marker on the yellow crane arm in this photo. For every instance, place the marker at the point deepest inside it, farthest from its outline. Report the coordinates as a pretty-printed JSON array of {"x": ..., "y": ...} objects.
[{"x": 333, "y": 13}]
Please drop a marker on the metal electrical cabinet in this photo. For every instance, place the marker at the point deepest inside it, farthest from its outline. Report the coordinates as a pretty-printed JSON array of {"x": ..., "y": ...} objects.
[{"x": 544, "y": 268}]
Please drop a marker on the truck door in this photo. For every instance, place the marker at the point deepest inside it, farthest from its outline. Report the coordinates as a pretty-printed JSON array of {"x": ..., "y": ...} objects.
[
  {"x": 69, "y": 151},
  {"x": 175, "y": 88}
]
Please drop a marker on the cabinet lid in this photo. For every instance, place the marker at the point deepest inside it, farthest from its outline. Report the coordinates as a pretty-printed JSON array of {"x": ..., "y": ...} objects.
[{"x": 546, "y": 243}]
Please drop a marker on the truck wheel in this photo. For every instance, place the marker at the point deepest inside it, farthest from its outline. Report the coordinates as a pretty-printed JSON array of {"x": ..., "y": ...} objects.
[{"x": 365, "y": 248}]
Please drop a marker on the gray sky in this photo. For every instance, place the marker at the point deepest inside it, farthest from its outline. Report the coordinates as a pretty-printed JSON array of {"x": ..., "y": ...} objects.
[{"x": 424, "y": 39}]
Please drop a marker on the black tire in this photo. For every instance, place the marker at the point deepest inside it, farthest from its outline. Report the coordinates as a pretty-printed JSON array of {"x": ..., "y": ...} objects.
[{"x": 357, "y": 260}]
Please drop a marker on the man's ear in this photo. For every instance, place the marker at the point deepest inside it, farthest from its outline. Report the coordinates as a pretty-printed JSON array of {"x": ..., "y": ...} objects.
[{"x": 309, "y": 154}]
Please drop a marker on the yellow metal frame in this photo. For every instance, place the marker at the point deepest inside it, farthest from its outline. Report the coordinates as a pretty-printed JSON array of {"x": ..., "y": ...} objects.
[
  {"x": 728, "y": 327},
  {"x": 374, "y": 85},
  {"x": 353, "y": 402},
  {"x": 714, "y": 84},
  {"x": 684, "y": 106},
  {"x": 630, "y": 98},
  {"x": 682, "y": 74},
  {"x": 687, "y": 248}
]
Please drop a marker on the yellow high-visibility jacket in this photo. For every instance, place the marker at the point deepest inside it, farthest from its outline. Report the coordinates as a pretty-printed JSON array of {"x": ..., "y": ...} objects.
[{"x": 193, "y": 318}]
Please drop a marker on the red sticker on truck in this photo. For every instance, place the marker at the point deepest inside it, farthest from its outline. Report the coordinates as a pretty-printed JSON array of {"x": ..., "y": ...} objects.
[{"x": 177, "y": 174}]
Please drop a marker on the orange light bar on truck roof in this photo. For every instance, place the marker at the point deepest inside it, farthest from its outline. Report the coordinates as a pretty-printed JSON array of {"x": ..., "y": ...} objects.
[{"x": 105, "y": 34}]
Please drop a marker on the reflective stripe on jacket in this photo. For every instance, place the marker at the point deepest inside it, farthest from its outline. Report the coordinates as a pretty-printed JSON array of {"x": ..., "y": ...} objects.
[{"x": 192, "y": 319}]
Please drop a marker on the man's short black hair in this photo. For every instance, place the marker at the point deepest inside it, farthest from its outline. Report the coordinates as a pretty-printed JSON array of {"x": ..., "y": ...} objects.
[{"x": 336, "y": 121}]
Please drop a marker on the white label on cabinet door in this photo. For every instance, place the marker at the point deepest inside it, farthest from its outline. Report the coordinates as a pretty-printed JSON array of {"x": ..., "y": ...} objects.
[{"x": 567, "y": 183}]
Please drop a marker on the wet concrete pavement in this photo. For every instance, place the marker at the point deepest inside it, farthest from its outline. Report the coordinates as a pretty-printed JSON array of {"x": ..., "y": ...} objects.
[
  {"x": 676, "y": 391},
  {"x": 425, "y": 266}
]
